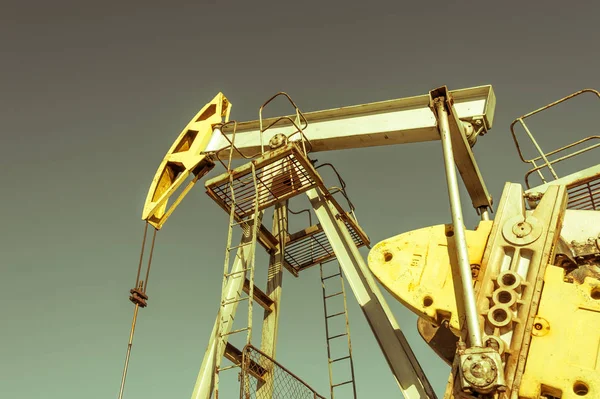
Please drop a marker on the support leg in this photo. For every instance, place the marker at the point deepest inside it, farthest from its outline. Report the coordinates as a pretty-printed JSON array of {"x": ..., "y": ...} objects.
[
  {"x": 400, "y": 358},
  {"x": 274, "y": 281}
]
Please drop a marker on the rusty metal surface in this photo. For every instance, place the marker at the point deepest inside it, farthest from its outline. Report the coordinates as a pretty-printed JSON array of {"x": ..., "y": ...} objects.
[
  {"x": 588, "y": 269},
  {"x": 283, "y": 384},
  {"x": 299, "y": 119},
  {"x": 439, "y": 338},
  {"x": 280, "y": 174},
  {"x": 310, "y": 246},
  {"x": 580, "y": 261}
]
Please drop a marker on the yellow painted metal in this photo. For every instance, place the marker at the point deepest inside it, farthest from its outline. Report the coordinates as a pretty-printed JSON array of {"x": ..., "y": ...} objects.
[
  {"x": 419, "y": 268},
  {"x": 183, "y": 158},
  {"x": 564, "y": 356}
]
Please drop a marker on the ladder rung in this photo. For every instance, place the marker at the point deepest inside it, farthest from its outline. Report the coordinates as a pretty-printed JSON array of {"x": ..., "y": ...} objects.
[
  {"x": 336, "y": 336},
  {"x": 335, "y": 314},
  {"x": 338, "y": 359},
  {"x": 333, "y": 275},
  {"x": 243, "y": 221},
  {"x": 235, "y": 331},
  {"x": 234, "y": 301},
  {"x": 238, "y": 272},
  {"x": 239, "y": 246},
  {"x": 336, "y": 294},
  {"x": 342, "y": 383}
]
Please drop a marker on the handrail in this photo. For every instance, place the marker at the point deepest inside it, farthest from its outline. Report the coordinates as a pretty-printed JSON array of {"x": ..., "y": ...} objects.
[
  {"x": 544, "y": 156},
  {"x": 299, "y": 118},
  {"x": 342, "y": 189}
]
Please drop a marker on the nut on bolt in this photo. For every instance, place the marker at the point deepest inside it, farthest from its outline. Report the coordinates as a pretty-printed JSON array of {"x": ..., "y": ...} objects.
[{"x": 277, "y": 141}]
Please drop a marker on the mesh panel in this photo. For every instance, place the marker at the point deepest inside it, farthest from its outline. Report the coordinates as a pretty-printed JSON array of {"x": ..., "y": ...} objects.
[
  {"x": 316, "y": 248},
  {"x": 264, "y": 378}
]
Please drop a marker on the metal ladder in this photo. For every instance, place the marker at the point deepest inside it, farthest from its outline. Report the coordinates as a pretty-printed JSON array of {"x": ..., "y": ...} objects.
[
  {"x": 338, "y": 290},
  {"x": 250, "y": 226}
]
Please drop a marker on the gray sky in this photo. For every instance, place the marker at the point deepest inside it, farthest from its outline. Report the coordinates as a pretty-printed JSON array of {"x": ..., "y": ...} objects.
[{"x": 93, "y": 95}]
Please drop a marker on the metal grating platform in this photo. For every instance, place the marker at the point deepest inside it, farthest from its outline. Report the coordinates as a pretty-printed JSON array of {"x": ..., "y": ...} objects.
[
  {"x": 585, "y": 196},
  {"x": 280, "y": 174},
  {"x": 311, "y": 247}
]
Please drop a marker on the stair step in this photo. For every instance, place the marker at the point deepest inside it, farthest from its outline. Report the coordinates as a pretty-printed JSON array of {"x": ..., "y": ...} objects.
[
  {"x": 234, "y": 355},
  {"x": 259, "y": 296}
]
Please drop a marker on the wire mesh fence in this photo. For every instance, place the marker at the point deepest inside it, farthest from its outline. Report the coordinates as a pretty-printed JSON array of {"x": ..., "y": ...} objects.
[{"x": 264, "y": 378}]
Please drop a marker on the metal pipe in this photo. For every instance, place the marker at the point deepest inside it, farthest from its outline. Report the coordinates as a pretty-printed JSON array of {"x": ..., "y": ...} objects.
[
  {"x": 484, "y": 213},
  {"x": 537, "y": 147},
  {"x": 459, "y": 228},
  {"x": 129, "y": 345}
]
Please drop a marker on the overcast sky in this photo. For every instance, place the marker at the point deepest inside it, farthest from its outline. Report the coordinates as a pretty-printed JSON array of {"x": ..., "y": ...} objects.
[{"x": 93, "y": 94}]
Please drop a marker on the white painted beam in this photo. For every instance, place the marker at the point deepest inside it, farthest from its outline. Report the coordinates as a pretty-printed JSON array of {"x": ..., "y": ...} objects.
[
  {"x": 400, "y": 121},
  {"x": 400, "y": 358}
]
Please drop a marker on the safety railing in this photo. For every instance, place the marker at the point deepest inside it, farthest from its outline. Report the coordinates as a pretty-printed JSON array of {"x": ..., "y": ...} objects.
[
  {"x": 544, "y": 157},
  {"x": 300, "y": 120},
  {"x": 341, "y": 188},
  {"x": 231, "y": 146}
]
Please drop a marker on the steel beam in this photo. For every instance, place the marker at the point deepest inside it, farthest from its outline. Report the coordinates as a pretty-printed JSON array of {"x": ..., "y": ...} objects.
[
  {"x": 400, "y": 121},
  {"x": 270, "y": 325},
  {"x": 394, "y": 346}
]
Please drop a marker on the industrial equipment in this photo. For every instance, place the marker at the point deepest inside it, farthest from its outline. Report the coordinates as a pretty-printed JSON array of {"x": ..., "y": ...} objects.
[{"x": 512, "y": 305}]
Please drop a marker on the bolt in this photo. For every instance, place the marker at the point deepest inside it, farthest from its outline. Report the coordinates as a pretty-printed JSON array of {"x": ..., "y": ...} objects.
[
  {"x": 488, "y": 380},
  {"x": 522, "y": 229},
  {"x": 493, "y": 367},
  {"x": 469, "y": 357},
  {"x": 538, "y": 326}
]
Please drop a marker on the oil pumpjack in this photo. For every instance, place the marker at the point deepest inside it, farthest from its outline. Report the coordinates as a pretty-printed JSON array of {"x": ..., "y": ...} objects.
[{"x": 513, "y": 305}]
